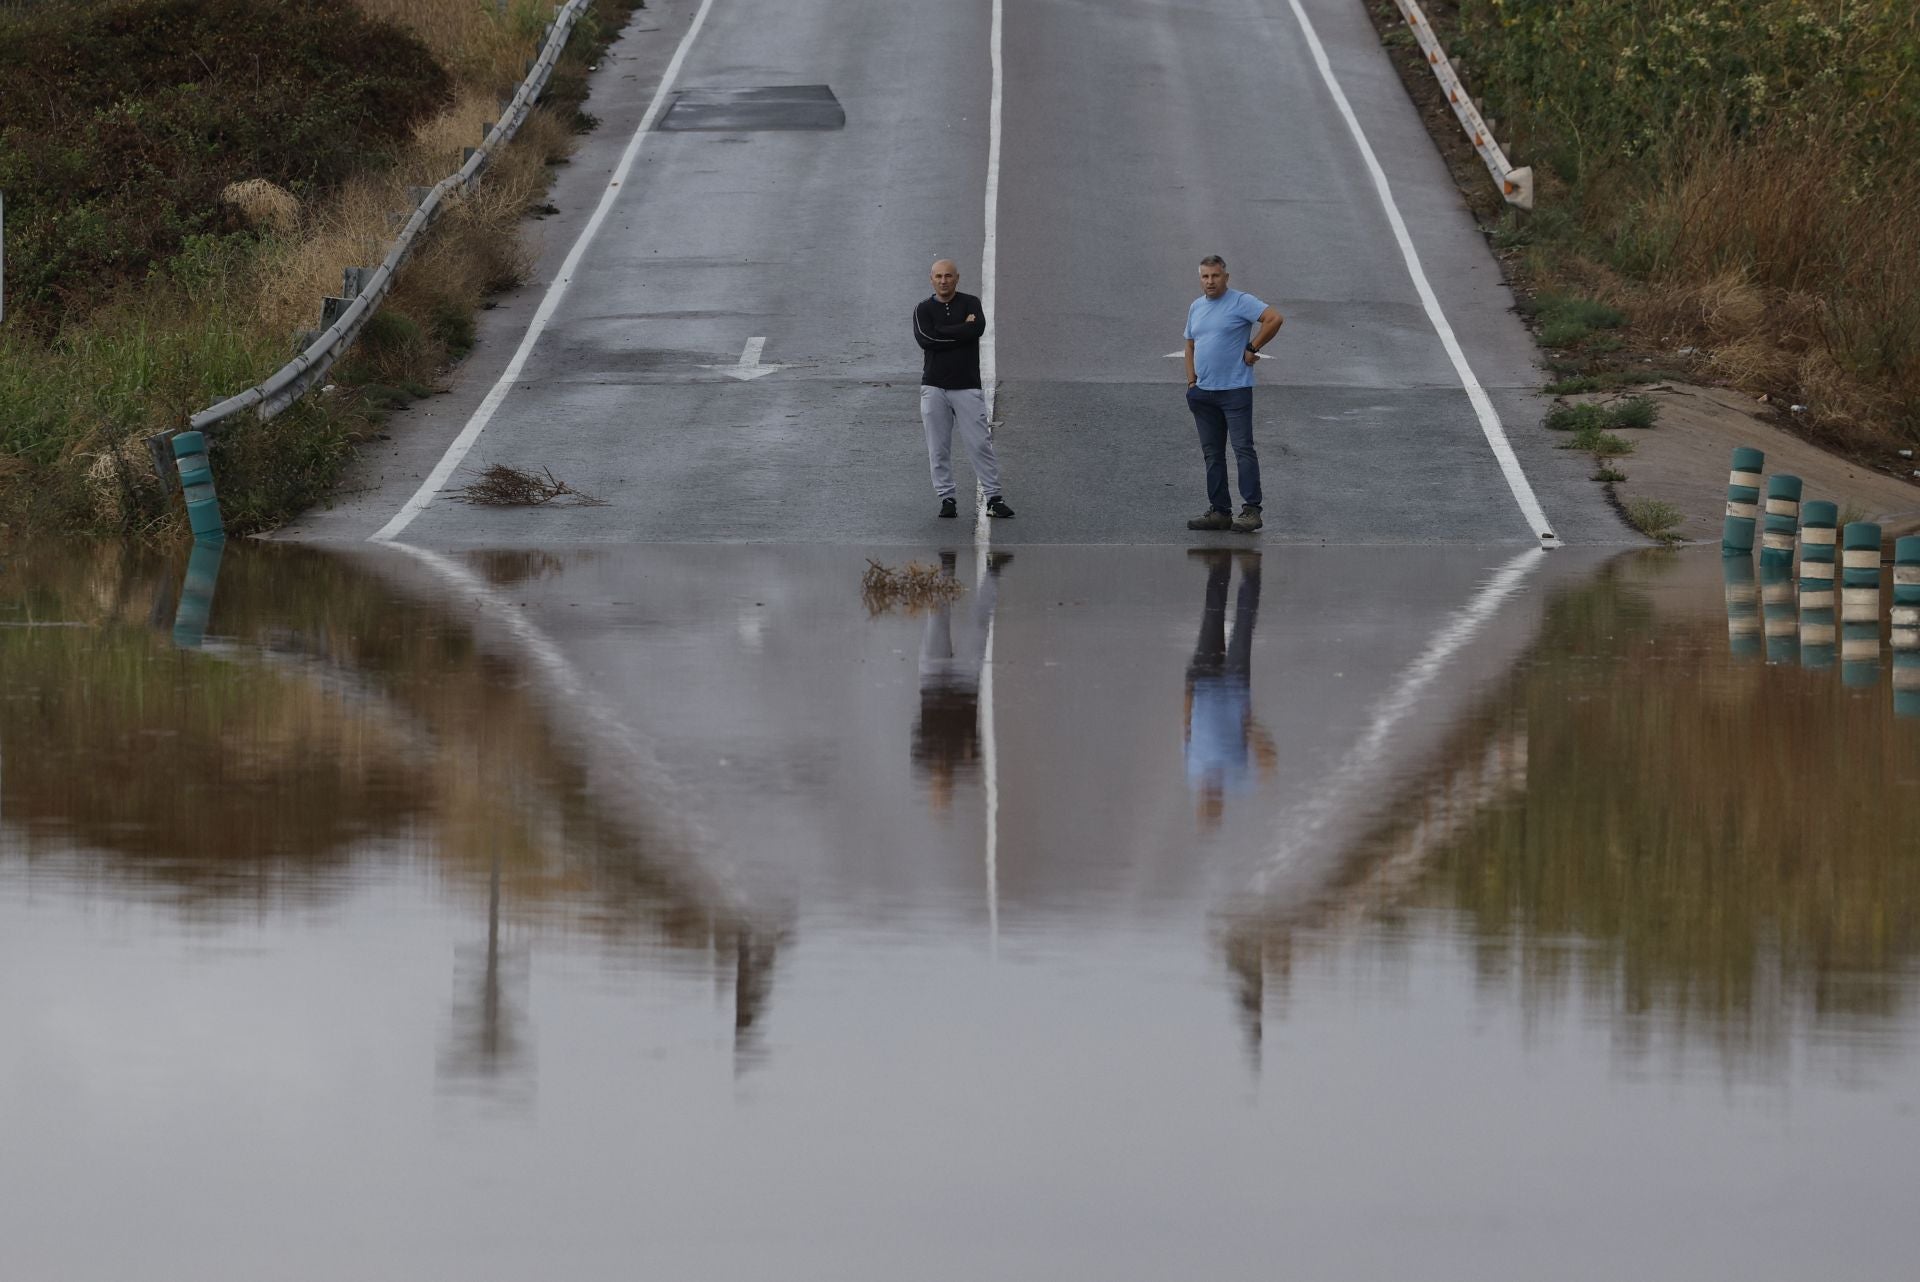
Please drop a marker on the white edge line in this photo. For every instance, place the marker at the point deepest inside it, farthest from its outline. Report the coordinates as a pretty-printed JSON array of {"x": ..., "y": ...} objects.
[
  {"x": 1356, "y": 769},
  {"x": 1482, "y": 404},
  {"x": 457, "y": 451}
]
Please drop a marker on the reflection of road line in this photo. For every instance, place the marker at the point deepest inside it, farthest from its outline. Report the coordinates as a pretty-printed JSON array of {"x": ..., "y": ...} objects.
[
  {"x": 1360, "y": 764},
  {"x": 497, "y": 394},
  {"x": 1482, "y": 405},
  {"x": 982, "y": 532},
  {"x": 547, "y": 658}
]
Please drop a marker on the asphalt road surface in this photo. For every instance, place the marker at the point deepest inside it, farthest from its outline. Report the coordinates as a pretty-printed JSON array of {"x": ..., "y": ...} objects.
[{"x": 1135, "y": 136}]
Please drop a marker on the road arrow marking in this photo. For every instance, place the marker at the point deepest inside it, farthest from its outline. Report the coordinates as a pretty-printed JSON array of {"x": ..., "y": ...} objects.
[{"x": 749, "y": 366}]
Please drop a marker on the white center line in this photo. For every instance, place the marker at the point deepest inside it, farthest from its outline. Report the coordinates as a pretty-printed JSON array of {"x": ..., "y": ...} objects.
[
  {"x": 1482, "y": 404},
  {"x": 462, "y": 443},
  {"x": 989, "y": 747}
]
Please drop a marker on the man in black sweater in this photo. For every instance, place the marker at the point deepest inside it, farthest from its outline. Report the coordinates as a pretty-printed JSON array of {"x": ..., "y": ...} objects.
[{"x": 948, "y": 327}]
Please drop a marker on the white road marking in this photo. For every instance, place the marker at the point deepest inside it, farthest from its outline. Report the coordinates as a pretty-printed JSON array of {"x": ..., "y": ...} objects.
[
  {"x": 1358, "y": 771},
  {"x": 1482, "y": 404},
  {"x": 748, "y": 367},
  {"x": 457, "y": 452},
  {"x": 982, "y": 533}
]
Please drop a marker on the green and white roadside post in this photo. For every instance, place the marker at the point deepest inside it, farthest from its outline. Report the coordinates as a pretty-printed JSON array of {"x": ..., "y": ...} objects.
[
  {"x": 196, "y": 594},
  {"x": 196, "y": 482},
  {"x": 1783, "y": 520},
  {"x": 1906, "y": 627},
  {"x": 1817, "y": 534},
  {"x": 1860, "y": 604},
  {"x": 1743, "y": 501},
  {"x": 1743, "y": 607}
]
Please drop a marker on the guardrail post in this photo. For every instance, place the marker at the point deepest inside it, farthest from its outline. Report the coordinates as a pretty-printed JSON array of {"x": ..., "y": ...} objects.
[
  {"x": 1783, "y": 520},
  {"x": 1906, "y": 627},
  {"x": 196, "y": 483},
  {"x": 1743, "y": 607},
  {"x": 196, "y": 595},
  {"x": 1780, "y": 610},
  {"x": 1860, "y": 604},
  {"x": 1743, "y": 501},
  {"x": 1817, "y": 520}
]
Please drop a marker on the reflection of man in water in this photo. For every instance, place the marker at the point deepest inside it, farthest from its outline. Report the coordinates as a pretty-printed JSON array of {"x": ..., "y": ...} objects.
[
  {"x": 946, "y": 739},
  {"x": 1221, "y": 730}
]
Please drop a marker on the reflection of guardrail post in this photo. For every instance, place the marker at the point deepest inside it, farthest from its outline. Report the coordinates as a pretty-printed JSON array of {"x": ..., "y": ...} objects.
[
  {"x": 1783, "y": 520},
  {"x": 1743, "y": 501},
  {"x": 1860, "y": 604},
  {"x": 196, "y": 482},
  {"x": 1743, "y": 607},
  {"x": 196, "y": 595},
  {"x": 1906, "y": 627},
  {"x": 1817, "y": 520},
  {"x": 1777, "y": 603}
]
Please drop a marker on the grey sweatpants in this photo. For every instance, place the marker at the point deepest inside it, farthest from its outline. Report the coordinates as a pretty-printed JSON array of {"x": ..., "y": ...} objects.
[{"x": 940, "y": 411}]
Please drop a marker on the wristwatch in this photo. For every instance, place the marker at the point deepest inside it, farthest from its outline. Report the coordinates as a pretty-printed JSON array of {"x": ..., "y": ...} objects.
[{"x": 1253, "y": 349}]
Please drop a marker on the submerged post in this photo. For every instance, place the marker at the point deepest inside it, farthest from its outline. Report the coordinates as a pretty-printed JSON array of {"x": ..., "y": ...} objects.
[
  {"x": 196, "y": 594},
  {"x": 1783, "y": 520},
  {"x": 1817, "y": 520},
  {"x": 1778, "y": 607},
  {"x": 1743, "y": 501},
  {"x": 196, "y": 483},
  {"x": 1906, "y": 627},
  {"x": 1860, "y": 604},
  {"x": 1743, "y": 607}
]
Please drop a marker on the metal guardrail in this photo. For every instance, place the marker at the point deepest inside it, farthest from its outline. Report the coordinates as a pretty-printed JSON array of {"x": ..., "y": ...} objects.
[
  {"x": 1515, "y": 184},
  {"x": 366, "y": 289}
]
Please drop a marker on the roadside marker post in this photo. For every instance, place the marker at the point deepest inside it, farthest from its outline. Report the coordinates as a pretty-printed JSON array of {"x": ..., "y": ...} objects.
[
  {"x": 1860, "y": 604},
  {"x": 1817, "y": 520},
  {"x": 196, "y": 594},
  {"x": 1783, "y": 520},
  {"x": 1906, "y": 627},
  {"x": 196, "y": 483},
  {"x": 1743, "y": 607},
  {"x": 1743, "y": 501}
]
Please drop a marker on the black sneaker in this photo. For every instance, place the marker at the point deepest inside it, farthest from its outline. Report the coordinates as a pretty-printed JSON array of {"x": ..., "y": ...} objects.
[
  {"x": 947, "y": 510},
  {"x": 1214, "y": 519},
  {"x": 997, "y": 506},
  {"x": 997, "y": 559}
]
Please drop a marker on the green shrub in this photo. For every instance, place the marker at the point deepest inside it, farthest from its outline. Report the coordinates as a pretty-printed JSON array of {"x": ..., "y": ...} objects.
[
  {"x": 1654, "y": 518},
  {"x": 1575, "y": 418}
]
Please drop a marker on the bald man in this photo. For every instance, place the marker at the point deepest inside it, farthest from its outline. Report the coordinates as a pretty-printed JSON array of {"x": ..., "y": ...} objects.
[{"x": 948, "y": 326}]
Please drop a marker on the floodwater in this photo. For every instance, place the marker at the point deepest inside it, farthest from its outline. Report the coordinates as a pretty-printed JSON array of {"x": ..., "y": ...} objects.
[{"x": 1135, "y": 914}]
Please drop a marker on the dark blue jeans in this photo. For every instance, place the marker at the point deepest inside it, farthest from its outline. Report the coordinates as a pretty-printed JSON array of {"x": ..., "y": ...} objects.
[{"x": 1221, "y": 417}]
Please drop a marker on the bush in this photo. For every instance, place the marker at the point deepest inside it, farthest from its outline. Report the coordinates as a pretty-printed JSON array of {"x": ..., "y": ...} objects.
[{"x": 125, "y": 123}]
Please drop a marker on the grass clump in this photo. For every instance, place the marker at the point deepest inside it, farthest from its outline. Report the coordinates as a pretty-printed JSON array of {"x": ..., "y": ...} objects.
[
  {"x": 1655, "y": 519},
  {"x": 504, "y": 486},
  {"x": 1602, "y": 445},
  {"x": 1608, "y": 474}
]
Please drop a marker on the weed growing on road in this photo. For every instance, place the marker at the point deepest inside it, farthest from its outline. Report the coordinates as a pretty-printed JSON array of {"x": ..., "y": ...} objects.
[
  {"x": 1655, "y": 519},
  {"x": 1602, "y": 445},
  {"x": 1608, "y": 474}
]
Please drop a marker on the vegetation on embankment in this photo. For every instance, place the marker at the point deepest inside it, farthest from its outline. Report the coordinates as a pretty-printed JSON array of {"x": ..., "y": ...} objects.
[
  {"x": 186, "y": 179},
  {"x": 1741, "y": 179}
]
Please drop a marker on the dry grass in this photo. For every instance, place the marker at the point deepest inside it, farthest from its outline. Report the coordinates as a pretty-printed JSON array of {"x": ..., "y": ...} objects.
[
  {"x": 482, "y": 42},
  {"x": 265, "y": 206},
  {"x": 913, "y": 588},
  {"x": 504, "y": 486}
]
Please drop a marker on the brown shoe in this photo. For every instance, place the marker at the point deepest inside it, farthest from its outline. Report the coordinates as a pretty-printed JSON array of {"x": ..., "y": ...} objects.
[
  {"x": 1214, "y": 519},
  {"x": 1247, "y": 522}
]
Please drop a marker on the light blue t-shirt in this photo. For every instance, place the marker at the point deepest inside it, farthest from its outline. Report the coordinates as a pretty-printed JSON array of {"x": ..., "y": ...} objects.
[{"x": 1219, "y": 329}]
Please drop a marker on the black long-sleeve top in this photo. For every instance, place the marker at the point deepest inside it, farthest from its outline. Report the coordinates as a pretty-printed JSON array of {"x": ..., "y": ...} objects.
[{"x": 951, "y": 342}]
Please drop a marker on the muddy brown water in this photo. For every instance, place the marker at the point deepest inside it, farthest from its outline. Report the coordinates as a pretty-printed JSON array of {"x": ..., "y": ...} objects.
[{"x": 1362, "y": 913}]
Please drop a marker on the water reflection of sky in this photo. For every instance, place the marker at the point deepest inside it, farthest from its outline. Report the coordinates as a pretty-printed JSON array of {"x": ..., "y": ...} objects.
[{"x": 659, "y": 907}]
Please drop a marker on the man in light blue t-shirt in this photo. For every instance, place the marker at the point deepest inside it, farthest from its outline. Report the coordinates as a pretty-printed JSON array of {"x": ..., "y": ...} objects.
[{"x": 1225, "y": 331}]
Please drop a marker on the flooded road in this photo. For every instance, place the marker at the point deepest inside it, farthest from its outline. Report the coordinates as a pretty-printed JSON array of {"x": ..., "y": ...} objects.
[{"x": 1362, "y": 913}]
